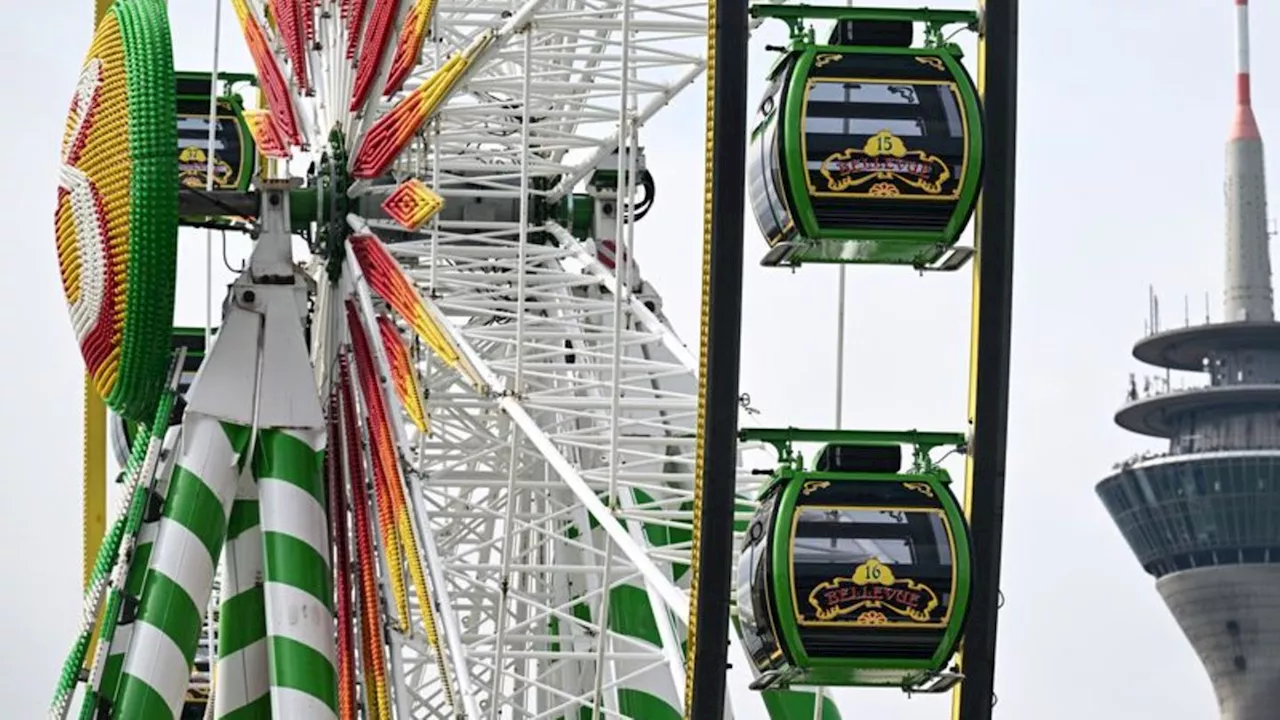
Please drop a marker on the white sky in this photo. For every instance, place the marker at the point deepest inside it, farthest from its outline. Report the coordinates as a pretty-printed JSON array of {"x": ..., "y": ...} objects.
[{"x": 1125, "y": 106}]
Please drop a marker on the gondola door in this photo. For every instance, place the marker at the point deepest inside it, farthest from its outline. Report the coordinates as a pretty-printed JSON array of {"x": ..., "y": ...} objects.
[
  {"x": 766, "y": 185},
  {"x": 756, "y": 607}
]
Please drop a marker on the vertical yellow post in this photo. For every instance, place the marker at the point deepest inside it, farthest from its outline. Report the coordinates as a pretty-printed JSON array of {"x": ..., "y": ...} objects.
[
  {"x": 95, "y": 475},
  {"x": 973, "y": 337},
  {"x": 94, "y": 488},
  {"x": 266, "y": 165},
  {"x": 94, "y": 518}
]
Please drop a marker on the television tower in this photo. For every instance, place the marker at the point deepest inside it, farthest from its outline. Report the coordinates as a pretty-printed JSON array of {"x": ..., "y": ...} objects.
[{"x": 1204, "y": 518}]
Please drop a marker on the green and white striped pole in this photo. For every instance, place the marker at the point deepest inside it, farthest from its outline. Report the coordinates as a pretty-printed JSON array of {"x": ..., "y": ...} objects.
[
  {"x": 295, "y": 539},
  {"x": 240, "y": 677},
  {"x": 114, "y": 644},
  {"x": 260, "y": 376},
  {"x": 144, "y": 487},
  {"x": 115, "y": 556},
  {"x": 175, "y": 593}
]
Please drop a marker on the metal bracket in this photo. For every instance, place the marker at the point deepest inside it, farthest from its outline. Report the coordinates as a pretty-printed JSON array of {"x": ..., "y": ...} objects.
[
  {"x": 936, "y": 683},
  {"x": 958, "y": 257}
]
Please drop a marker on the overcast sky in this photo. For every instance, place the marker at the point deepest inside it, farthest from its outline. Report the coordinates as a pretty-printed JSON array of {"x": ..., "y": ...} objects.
[{"x": 1124, "y": 109}]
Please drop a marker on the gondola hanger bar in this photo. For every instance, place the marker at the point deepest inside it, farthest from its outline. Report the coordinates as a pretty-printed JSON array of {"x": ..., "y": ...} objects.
[
  {"x": 782, "y": 438},
  {"x": 853, "y": 437},
  {"x": 190, "y": 82},
  {"x": 935, "y": 19}
]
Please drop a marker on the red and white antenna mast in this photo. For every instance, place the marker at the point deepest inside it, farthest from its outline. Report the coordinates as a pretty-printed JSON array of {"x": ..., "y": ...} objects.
[
  {"x": 1245, "y": 126},
  {"x": 1247, "y": 290}
]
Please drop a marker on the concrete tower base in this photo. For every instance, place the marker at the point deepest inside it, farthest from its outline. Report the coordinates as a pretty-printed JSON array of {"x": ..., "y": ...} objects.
[{"x": 1231, "y": 616}]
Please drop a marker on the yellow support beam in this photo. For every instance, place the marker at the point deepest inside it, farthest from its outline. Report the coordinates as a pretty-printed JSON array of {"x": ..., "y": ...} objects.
[
  {"x": 94, "y": 519},
  {"x": 94, "y": 495},
  {"x": 991, "y": 330},
  {"x": 94, "y": 483},
  {"x": 957, "y": 694}
]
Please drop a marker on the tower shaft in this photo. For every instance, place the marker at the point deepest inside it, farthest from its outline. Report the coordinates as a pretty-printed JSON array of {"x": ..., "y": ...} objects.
[{"x": 1231, "y": 616}]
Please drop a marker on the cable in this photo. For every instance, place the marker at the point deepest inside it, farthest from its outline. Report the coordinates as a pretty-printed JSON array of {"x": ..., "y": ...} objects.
[
  {"x": 208, "y": 179},
  {"x": 645, "y": 204}
]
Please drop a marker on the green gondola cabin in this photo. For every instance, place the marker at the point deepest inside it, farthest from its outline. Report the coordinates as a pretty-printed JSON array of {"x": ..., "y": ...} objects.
[
  {"x": 868, "y": 147},
  {"x": 853, "y": 572},
  {"x": 234, "y": 151}
]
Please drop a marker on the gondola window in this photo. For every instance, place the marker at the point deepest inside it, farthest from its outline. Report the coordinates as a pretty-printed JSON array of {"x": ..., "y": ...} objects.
[{"x": 860, "y": 565}]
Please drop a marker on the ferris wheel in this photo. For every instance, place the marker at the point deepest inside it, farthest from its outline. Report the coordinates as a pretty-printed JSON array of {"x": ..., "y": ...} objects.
[
  {"x": 485, "y": 160},
  {"x": 443, "y": 464}
]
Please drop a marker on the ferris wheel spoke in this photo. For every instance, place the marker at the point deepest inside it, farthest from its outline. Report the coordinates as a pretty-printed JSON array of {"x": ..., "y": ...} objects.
[
  {"x": 286, "y": 123},
  {"x": 294, "y": 23}
]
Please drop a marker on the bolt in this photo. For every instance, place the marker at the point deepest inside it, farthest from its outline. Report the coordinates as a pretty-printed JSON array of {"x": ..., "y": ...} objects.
[{"x": 250, "y": 296}]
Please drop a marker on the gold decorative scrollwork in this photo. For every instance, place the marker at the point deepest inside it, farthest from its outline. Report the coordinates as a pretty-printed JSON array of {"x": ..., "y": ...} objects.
[
  {"x": 825, "y": 59},
  {"x": 922, "y": 488},
  {"x": 812, "y": 486},
  {"x": 933, "y": 62},
  {"x": 885, "y": 156}
]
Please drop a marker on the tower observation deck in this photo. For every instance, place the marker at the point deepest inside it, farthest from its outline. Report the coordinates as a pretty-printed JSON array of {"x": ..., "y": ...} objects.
[{"x": 1204, "y": 517}]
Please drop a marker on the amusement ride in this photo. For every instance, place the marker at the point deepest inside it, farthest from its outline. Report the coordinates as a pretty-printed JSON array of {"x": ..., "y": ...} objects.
[{"x": 442, "y": 455}]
